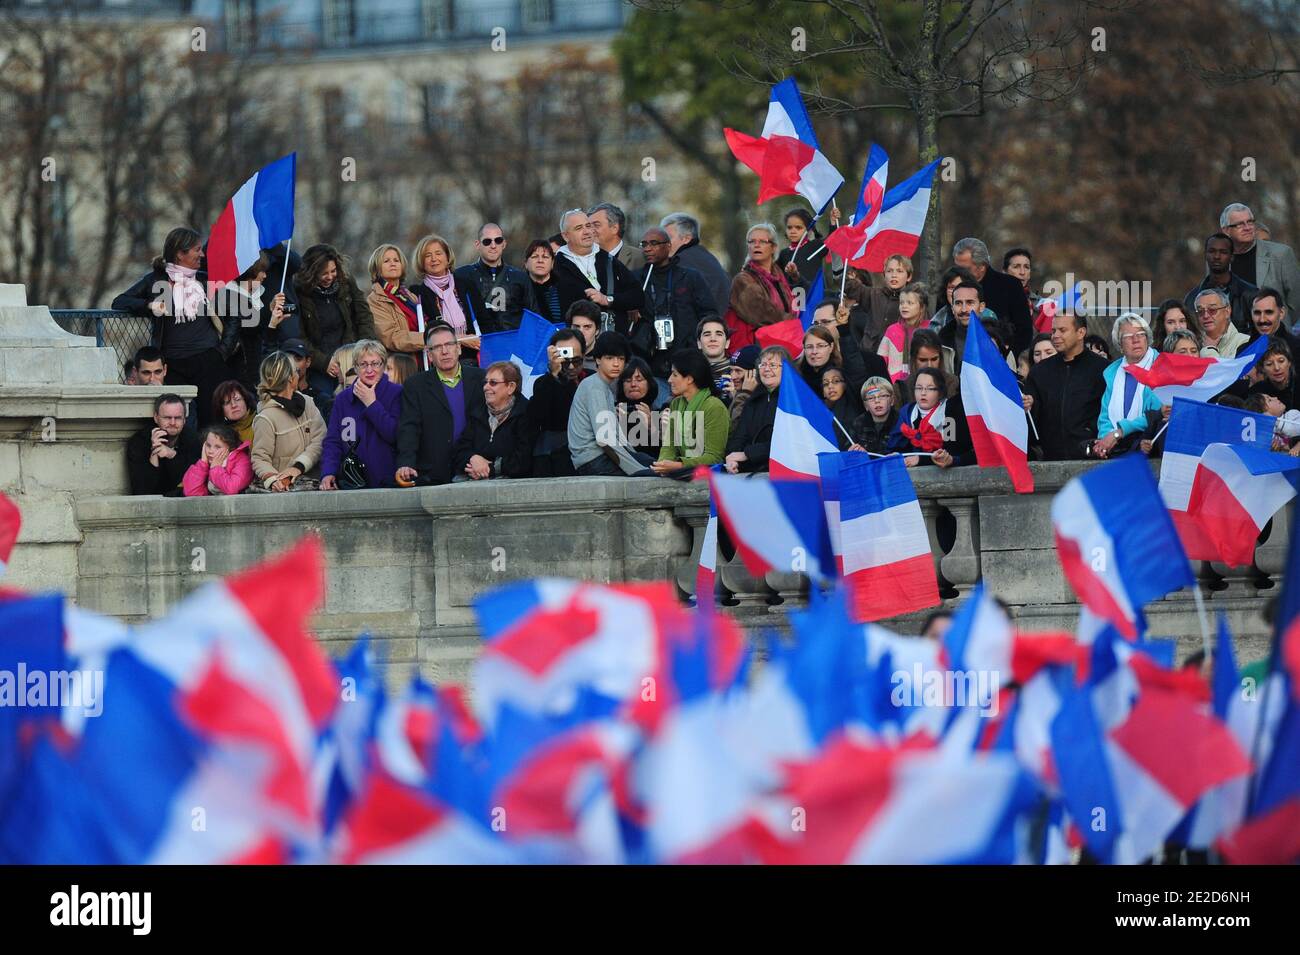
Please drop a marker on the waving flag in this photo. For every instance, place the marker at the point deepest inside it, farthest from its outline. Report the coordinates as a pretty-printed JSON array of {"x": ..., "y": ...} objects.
[
  {"x": 830, "y": 463},
  {"x": 786, "y": 157},
  {"x": 816, "y": 294},
  {"x": 776, "y": 525},
  {"x": 803, "y": 429},
  {"x": 788, "y": 334},
  {"x": 1271, "y": 832},
  {"x": 994, "y": 412},
  {"x": 259, "y": 216},
  {"x": 902, "y": 220},
  {"x": 1117, "y": 544},
  {"x": 1193, "y": 427},
  {"x": 524, "y": 346},
  {"x": 1138, "y": 777},
  {"x": 1191, "y": 376},
  {"x": 1236, "y": 491},
  {"x": 849, "y": 241},
  {"x": 10, "y": 522},
  {"x": 888, "y": 566}
]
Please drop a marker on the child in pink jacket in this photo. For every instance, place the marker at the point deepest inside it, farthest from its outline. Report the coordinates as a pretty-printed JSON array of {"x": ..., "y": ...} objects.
[{"x": 224, "y": 466}]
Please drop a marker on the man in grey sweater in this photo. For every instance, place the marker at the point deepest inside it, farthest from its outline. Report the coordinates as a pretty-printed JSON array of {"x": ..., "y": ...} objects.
[{"x": 595, "y": 439}]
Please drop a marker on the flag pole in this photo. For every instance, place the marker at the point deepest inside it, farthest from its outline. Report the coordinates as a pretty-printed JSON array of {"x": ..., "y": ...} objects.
[
  {"x": 843, "y": 430},
  {"x": 1033, "y": 427},
  {"x": 285, "y": 274},
  {"x": 1159, "y": 433}
]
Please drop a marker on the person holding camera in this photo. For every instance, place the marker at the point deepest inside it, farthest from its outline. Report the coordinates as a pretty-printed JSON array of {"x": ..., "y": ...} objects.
[
  {"x": 158, "y": 456},
  {"x": 677, "y": 299},
  {"x": 548, "y": 410}
]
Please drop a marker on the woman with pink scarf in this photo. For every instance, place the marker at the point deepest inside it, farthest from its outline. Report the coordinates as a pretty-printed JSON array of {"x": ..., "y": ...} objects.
[
  {"x": 194, "y": 338},
  {"x": 442, "y": 299},
  {"x": 760, "y": 294}
]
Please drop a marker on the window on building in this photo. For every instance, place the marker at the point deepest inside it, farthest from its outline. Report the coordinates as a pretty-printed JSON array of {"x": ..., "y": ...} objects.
[
  {"x": 537, "y": 14},
  {"x": 439, "y": 17},
  {"x": 340, "y": 22},
  {"x": 241, "y": 24}
]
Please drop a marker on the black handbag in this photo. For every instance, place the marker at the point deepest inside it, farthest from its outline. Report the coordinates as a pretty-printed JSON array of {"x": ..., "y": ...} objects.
[{"x": 352, "y": 471}]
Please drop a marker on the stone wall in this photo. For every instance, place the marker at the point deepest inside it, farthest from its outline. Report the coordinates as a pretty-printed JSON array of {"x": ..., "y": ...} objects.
[{"x": 405, "y": 564}]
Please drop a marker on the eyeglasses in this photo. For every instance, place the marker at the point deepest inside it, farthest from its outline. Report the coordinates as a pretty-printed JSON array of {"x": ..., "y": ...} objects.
[
  {"x": 1203, "y": 312},
  {"x": 926, "y": 388},
  {"x": 1238, "y": 225},
  {"x": 496, "y": 240},
  {"x": 494, "y": 382},
  {"x": 1133, "y": 337},
  {"x": 760, "y": 242},
  {"x": 445, "y": 346},
  {"x": 370, "y": 364},
  {"x": 651, "y": 243},
  {"x": 769, "y": 365}
]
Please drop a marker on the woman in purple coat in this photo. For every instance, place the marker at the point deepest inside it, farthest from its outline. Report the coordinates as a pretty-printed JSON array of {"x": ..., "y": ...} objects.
[{"x": 364, "y": 416}]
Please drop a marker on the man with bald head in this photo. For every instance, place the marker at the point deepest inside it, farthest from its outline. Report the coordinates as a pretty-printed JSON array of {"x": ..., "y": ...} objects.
[
  {"x": 677, "y": 299},
  {"x": 585, "y": 271},
  {"x": 504, "y": 287}
]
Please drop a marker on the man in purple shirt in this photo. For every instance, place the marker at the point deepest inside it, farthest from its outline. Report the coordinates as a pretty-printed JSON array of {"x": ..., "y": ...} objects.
[{"x": 436, "y": 404}]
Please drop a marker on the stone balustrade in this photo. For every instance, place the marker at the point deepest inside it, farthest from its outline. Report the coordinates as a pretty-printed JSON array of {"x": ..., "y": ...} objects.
[{"x": 405, "y": 565}]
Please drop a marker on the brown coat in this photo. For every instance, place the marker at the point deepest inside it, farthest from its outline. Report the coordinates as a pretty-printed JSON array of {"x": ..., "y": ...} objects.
[
  {"x": 750, "y": 301},
  {"x": 390, "y": 323},
  {"x": 281, "y": 440}
]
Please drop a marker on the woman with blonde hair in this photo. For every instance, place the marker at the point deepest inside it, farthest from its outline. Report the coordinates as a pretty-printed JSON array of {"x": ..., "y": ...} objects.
[
  {"x": 760, "y": 294},
  {"x": 442, "y": 300},
  {"x": 392, "y": 304},
  {"x": 288, "y": 430},
  {"x": 343, "y": 361},
  {"x": 360, "y": 447}
]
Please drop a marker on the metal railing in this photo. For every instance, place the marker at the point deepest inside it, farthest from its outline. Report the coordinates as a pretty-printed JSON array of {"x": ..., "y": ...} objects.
[{"x": 120, "y": 331}]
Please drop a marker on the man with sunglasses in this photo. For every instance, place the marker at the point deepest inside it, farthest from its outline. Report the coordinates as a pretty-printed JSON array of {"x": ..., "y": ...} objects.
[
  {"x": 504, "y": 288},
  {"x": 1219, "y": 275},
  {"x": 584, "y": 271},
  {"x": 677, "y": 299}
]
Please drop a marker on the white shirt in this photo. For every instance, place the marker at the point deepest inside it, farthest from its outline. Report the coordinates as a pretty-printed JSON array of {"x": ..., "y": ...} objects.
[{"x": 586, "y": 263}]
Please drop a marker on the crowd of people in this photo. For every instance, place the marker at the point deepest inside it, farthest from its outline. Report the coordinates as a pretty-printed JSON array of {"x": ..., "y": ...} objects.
[{"x": 657, "y": 367}]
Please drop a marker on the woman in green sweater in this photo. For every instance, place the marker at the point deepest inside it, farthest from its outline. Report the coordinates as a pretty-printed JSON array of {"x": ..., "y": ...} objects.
[{"x": 694, "y": 426}]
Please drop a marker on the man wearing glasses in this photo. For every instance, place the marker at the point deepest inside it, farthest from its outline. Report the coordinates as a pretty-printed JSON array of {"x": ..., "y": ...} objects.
[
  {"x": 1219, "y": 275},
  {"x": 1256, "y": 260},
  {"x": 1222, "y": 340},
  {"x": 437, "y": 405},
  {"x": 676, "y": 301},
  {"x": 504, "y": 288},
  {"x": 585, "y": 272}
]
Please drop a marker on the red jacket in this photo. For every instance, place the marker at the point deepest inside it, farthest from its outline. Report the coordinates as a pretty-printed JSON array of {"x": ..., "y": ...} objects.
[{"x": 229, "y": 478}]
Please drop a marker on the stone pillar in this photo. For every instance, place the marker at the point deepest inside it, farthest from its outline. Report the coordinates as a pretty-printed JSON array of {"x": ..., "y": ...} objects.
[
  {"x": 961, "y": 565},
  {"x": 64, "y": 423}
]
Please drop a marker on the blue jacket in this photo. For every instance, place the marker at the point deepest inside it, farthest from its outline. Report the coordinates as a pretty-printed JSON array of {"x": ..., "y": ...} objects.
[{"x": 375, "y": 433}]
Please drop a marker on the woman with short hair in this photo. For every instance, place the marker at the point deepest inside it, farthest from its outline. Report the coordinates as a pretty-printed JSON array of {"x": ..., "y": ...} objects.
[
  {"x": 500, "y": 445},
  {"x": 760, "y": 294},
  {"x": 1126, "y": 402},
  {"x": 288, "y": 431},
  {"x": 234, "y": 405},
  {"x": 392, "y": 304},
  {"x": 1277, "y": 366},
  {"x": 443, "y": 300},
  {"x": 750, "y": 444},
  {"x": 364, "y": 420},
  {"x": 543, "y": 293}
]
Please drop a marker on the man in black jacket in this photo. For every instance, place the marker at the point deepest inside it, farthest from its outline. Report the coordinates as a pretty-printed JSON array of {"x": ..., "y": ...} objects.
[
  {"x": 676, "y": 301},
  {"x": 437, "y": 406},
  {"x": 1003, "y": 293},
  {"x": 684, "y": 231},
  {"x": 584, "y": 271},
  {"x": 158, "y": 456},
  {"x": 1064, "y": 392},
  {"x": 503, "y": 288}
]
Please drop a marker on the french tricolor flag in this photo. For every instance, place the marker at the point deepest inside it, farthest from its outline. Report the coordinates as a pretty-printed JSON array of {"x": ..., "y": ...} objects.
[
  {"x": 1191, "y": 376},
  {"x": 898, "y": 229},
  {"x": 830, "y": 463},
  {"x": 524, "y": 346},
  {"x": 786, "y": 157},
  {"x": 816, "y": 295},
  {"x": 1236, "y": 491},
  {"x": 776, "y": 525},
  {"x": 1193, "y": 427},
  {"x": 259, "y": 216},
  {"x": 887, "y": 561},
  {"x": 1117, "y": 544},
  {"x": 850, "y": 242},
  {"x": 994, "y": 413},
  {"x": 803, "y": 429}
]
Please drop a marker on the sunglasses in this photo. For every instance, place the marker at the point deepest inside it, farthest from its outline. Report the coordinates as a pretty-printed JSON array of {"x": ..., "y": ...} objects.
[{"x": 497, "y": 240}]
